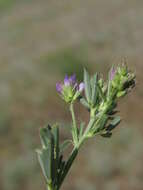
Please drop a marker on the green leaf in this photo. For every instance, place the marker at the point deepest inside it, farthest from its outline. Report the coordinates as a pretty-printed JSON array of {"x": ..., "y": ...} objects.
[
  {"x": 84, "y": 103},
  {"x": 40, "y": 159},
  {"x": 65, "y": 145},
  {"x": 101, "y": 123},
  {"x": 101, "y": 92},
  {"x": 94, "y": 89},
  {"x": 121, "y": 94},
  {"x": 55, "y": 132},
  {"x": 112, "y": 107},
  {"x": 47, "y": 152},
  {"x": 46, "y": 161},
  {"x": 114, "y": 123},
  {"x": 87, "y": 86},
  {"x": 113, "y": 112},
  {"x": 82, "y": 125},
  {"x": 109, "y": 81},
  {"x": 46, "y": 136},
  {"x": 107, "y": 134}
]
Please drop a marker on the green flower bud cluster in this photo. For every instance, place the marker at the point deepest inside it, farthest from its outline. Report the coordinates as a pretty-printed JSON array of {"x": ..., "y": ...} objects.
[
  {"x": 101, "y": 98},
  {"x": 122, "y": 81}
]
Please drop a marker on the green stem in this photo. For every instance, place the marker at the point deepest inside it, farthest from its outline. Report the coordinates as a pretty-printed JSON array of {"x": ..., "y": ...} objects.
[
  {"x": 49, "y": 187},
  {"x": 75, "y": 129},
  {"x": 76, "y": 148},
  {"x": 93, "y": 121},
  {"x": 90, "y": 124}
]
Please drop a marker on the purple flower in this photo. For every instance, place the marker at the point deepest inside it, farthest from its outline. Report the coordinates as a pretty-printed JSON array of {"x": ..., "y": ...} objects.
[
  {"x": 70, "y": 80},
  {"x": 66, "y": 81},
  {"x": 70, "y": 89}
]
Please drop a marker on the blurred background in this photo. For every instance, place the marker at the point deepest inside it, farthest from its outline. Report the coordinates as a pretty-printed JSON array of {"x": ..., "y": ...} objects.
[{"x": 40, "y": 41}]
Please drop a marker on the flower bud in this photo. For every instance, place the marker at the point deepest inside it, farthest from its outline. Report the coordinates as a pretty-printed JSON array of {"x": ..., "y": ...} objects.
[
  {"x": 70, "y": 90},
  {"x": 120, "y": 81}
]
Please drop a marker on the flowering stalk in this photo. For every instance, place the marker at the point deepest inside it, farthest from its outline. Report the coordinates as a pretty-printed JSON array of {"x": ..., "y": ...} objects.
[
  {"x": 70, "y": 91},
  {"x": 74, "y": 129},
  {"x": 100, "y": 100}
]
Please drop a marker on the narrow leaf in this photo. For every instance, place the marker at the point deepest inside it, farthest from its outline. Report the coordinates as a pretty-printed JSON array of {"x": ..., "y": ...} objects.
[
  {"x": 101, "y": 123},
  {"x": 55, "y": 132},
  {"x": 87, "y": 86},
  {"x": 84, "y": 103},
  {"x": 40, "y": 159},
  {"x": 94, "y": 89},
  {"x": 45, "y": 160},
  {"x": 109, "y": 81},
  {"x": 107, "y": 134},
  {"x": 46, "y": 136},
  {"x": 114, "y": 123},
  {"x": 82, "y": 125},
  {"x": 101, "y": 92},
  {"x": 113, "y": 112},
  {"x": 65, "y": 145}
]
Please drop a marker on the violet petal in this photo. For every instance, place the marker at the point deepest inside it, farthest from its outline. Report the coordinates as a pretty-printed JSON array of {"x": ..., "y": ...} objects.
[
  {"x": 66, "y": 81},
  {"x": 59, "y": 87},
  {"x": 72, "y": 79}
]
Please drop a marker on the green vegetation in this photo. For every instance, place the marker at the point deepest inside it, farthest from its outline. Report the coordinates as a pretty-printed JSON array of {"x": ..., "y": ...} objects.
[{"x": 4, "y": 4}]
